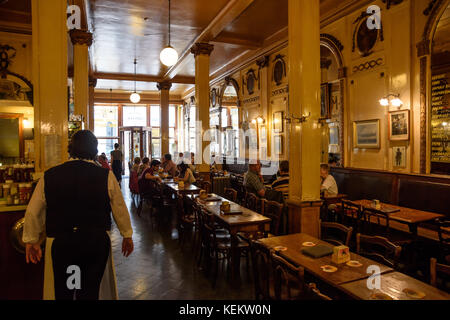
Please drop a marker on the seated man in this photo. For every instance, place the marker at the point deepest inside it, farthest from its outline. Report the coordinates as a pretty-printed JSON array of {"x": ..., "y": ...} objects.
[
  {"x": 329, "y": 187},
  {"x": 282, "y": 182},
  {"x": 253, "y": 181},
  {"x": 169, "y": 166},
  {"x": 148, "y": 176}
]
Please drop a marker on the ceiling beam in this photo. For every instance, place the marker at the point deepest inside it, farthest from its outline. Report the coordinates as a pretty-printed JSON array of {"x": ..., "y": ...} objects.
[
  {"x": 246, "y": 43},
  {"x": 142, "y": 77},
  {"x": 227, "y": 15}
]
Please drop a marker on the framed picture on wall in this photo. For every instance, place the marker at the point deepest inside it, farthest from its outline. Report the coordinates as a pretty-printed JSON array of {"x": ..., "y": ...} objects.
[
  {"x": 399, "y": 157},
  {"x": 278, "y": 145},
  {"x": 325, "y": 100},
  {"x": 366, "y": 134},
  {"x": 278, "y": 122},
  {"x": 399, "y": 125}
]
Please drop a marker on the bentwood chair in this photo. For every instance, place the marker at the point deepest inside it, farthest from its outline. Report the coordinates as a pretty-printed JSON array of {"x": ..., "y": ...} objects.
[
  {"x": 206, "y": 185},
  {"x": 185, "y": 221},
  {"x": 439, "y": 275},
  {"x": 351, "y": 214},
  {"x": 335, "y": 233},
  {"x": 262, "y": 271},
  {"x": 273, "y": 210},
  {"x": 379, "y": 249},
  {"x": 315, "y": 294},
  {"x": 252, "y": 202},
  {"x": 444, "y": 238},
  {"x": 231, "y": 194},
  {"x": 289, "y": 281}
]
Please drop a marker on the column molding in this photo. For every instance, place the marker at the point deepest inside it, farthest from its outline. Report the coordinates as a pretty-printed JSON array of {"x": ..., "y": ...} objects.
[
  {"x": 164, "y": 88},
  {"x": 81, "y": 37}
]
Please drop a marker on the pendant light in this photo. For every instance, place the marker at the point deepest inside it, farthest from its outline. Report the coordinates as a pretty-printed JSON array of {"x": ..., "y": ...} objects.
[
  {"x": 135, "y": 97},
  {"x": 169, "y": 56}
]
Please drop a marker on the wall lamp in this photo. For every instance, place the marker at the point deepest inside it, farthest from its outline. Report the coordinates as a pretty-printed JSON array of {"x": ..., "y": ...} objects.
[
  {"x": 259, "y": 120},
  {"x": 391, "y": 99},
  {"x": 292, "y": 118}
]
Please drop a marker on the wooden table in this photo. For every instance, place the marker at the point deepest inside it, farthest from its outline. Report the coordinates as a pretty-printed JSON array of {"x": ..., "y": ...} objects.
[
  {"x": 411, "y": 217},
  {"x": 393, "y": 284},
  {"x": 248, "y": 221},
  {"x": 344, "y": 274},
  {"x": 188, "y": 188}
]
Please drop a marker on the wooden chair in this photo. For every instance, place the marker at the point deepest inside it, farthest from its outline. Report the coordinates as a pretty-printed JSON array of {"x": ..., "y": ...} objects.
[
  {"x": 206, "y": 185},
  {"x": 273, "y": 210},
  {"x": 231, "y": 194},
  {"x": 439, "y": 271},
  {"x": 379, "y": 249},
  {"x": 335, "y": 233},
  {"x": 315, "y": 294},
  {"x": 444, "y": 238},
  {"x": 185, "y": 221},
  {"x": 262, "y": 271},
  {"x": 289, "y": 281},
  {"x": 351, "y": 214},
  {"x": 253, "y": 202}
]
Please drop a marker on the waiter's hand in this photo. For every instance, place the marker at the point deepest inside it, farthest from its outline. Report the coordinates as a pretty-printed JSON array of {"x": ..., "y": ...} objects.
[
  {"x": 127, "y": 246},
  {"x": 33, "y": 253}
]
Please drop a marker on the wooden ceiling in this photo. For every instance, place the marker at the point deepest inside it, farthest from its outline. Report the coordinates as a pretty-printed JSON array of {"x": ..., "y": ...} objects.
[{"x": 125, "y": 29}]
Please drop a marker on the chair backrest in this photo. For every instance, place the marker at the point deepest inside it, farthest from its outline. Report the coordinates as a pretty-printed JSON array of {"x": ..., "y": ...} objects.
[
  {"x": 372, "y": 218},
  {"x": 289, "y": 280},
  {"x": 206, "y": 185},
  {"x": 231, "y": 194},
  {"x": 335, "y": 233},
  {"x": 252, "y": 202},
  {"x": 379, "y": 249},
  {"x": 349, "y": 207},
  {"x": 262, "y": 270},
  {"x": 315, "y": 294},
  {"x": 273, "y": 210},
  {"x": 444, "y": 231},
  {"x": 439, "y": 271}
]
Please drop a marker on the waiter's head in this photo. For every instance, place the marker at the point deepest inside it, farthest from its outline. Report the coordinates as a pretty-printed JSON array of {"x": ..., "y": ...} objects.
[{"x": 83, "y": 145}]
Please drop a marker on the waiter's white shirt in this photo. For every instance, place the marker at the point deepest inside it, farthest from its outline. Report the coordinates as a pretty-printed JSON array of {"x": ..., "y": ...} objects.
[{"x": 36, "y": 211}]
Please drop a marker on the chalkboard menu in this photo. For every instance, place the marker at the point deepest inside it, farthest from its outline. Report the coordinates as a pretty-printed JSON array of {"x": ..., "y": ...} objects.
[{"x": 440, "y": 117}]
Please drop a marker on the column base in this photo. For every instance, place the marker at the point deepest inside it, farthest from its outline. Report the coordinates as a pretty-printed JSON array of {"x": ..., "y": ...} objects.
[{"x": 304, "y": 217}]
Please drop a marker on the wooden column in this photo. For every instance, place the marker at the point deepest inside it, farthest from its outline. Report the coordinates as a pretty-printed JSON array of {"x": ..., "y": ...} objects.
[
  {"x": 81, "y": 41},
  {"x": 92, "y": 85},
  {"x": 304, "y": 99},
  {"x": 202, "y": 52},
  {"x": 49, "y": 38},
  {"x": 164, "y": 88}
]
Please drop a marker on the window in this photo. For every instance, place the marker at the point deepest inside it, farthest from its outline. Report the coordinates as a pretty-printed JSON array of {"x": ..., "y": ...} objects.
[
  {"x": 106, "y": 146},
  {"x": 192, "y": 128},
  {"x": 155, "y": 123},
  {"x": 134, "y": 116},
  {"x": 106, "y": 121},
  {"x": 235, "y": 123}
]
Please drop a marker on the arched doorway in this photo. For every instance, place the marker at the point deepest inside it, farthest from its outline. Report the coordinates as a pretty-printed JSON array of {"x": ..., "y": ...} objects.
[
  {"x": 434, "y": 57},
  {"x": 229, "y": 114},
  {"x": 333, "y": 75}
]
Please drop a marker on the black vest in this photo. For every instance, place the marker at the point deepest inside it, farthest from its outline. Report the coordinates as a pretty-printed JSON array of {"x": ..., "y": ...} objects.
[{"x": 76, "y": 193}]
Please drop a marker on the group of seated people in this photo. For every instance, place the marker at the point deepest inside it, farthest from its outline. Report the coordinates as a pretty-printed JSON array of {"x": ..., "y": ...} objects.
[
  {"x": 254, "y": 182},
  {"x": 150, "y": 171}
]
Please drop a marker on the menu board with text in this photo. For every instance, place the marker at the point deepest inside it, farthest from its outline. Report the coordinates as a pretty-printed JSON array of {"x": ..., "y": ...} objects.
[{"x": 440, "y": 117}]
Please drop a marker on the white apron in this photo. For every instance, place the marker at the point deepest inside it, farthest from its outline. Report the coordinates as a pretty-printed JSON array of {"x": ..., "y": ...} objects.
[{"x": 108, "y": 286}]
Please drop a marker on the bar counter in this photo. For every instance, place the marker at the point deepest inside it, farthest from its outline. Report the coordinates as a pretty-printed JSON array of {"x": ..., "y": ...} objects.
[{"x": 18, "y": 280}]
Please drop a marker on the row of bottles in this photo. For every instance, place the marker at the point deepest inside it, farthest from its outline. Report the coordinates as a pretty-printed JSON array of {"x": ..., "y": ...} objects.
[{"x": 17, "y": 172}]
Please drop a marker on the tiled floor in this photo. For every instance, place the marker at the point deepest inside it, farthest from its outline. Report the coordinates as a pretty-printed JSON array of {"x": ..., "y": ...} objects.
[{"x": 159, "y": 269}]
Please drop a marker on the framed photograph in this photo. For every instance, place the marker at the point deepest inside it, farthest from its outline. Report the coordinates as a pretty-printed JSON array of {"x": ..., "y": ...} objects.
[
  {"x": 325, "y": 100},
  {"x": 399, "y": 125},
  {"x": 278, "y": 145},
  {"x": 278, "y": 122},
  {"x": 366, "y": 134},
  {"x": 335, "y": 102},
  {"x": 399, "y": 157},
  {"x": 334, "y": 135}
]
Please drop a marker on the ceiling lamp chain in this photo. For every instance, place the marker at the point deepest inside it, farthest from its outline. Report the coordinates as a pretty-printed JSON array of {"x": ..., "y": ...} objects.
[
  {"x": 169, "y": 56},
  {"x": 135, "y": 97}
]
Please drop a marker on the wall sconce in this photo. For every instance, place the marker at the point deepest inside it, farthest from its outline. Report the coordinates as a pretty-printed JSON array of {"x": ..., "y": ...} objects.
[
  {"x": 291, "y": 118},
  {"x": 259, "y": 120},
  {"x": 391, "y": 99}
]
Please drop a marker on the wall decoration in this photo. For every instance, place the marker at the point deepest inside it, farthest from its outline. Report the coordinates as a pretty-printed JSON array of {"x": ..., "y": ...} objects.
[
  {"x": 335, "y": 101},
  {"x": 278, "y": 145},
  {"x": 325, "y": 100},
  {"x": 364, "y": 38},
  {"x": 279, "y": 69},
  {"x": 366, "y": 134},
  {"x": 399, "y": 125},
  {"x": 278, "y": 122},
  {"x": 391, "y": 2},
  {"x": 249, "y": 81},
  {"x": 213, "y": 97},
  {"x": 399, "y": 157},
  {"x": 368, "y": 65}
]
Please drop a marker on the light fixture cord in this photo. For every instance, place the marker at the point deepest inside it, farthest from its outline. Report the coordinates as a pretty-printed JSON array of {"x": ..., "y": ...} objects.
[
  {"x": 135, "y": 62},
  {"x": 169, "y": 23}
]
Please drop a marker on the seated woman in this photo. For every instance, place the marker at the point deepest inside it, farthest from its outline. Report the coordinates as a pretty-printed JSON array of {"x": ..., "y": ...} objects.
[
  {"x": 134, "y": 186},
  {"x": 144, "y": 165},
  {"x": 186, "y": 174}
]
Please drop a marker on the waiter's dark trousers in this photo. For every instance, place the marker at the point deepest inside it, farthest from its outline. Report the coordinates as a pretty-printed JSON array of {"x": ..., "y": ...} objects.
[
  {"x": 90, "y": 252},
  {"x": 117, "y": 169}
]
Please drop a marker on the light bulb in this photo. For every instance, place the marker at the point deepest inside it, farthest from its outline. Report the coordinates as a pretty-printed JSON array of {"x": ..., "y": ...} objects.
[
  {"x": 260, "y": 120},
  {"x": 135, "y": 97},
  {"x": 168, "y": 56},
  {"x": 384, "y": 102},
  {"x": 397, "y": 102},
  {"x": 254, "y": 121}
]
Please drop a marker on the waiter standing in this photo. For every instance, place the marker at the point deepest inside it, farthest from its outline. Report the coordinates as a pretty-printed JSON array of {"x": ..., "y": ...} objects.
[{"x": 73, "y": 204}]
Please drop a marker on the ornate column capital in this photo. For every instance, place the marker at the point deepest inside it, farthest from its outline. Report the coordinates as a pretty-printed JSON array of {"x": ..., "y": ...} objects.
[
  {"x": 202, "y": 48},
  {"x": 80, "y": 37},
  {"x": 166, "y": 85},
  {"x": 92, "y": 82},
  {"x": 263, "y": 62}
]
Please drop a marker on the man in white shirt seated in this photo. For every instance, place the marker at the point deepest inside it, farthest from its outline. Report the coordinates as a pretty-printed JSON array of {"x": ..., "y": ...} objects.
[{"x": 329, "y": 187}]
